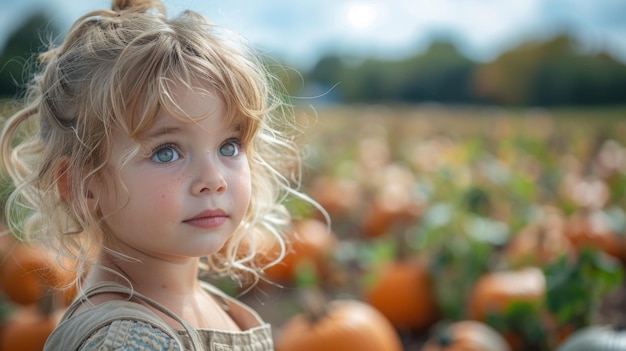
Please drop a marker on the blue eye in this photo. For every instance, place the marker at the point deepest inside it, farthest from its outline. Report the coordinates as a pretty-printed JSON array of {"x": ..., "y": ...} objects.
[
  {"x": 165, "y": 154},
  {"x": 230, "y": 148}
]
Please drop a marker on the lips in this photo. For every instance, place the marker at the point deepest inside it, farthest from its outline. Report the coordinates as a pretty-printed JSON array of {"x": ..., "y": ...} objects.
[{"x": 208, "y": 219}]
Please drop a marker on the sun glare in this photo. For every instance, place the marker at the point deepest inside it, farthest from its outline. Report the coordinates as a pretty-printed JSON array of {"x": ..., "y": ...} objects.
[{"x": 361, "y": 15}]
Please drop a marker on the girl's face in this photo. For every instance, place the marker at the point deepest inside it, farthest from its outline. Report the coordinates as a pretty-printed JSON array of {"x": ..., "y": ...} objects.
[{"x": 187, "y": 195}]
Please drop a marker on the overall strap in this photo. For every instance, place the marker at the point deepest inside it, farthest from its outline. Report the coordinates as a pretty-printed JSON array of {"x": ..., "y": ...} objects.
[
  {"x": 71, "y": 333},
  {"x": 116, "y": 288}
]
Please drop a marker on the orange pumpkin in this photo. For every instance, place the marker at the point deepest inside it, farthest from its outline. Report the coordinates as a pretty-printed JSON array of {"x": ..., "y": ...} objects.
[
  {"x": 27, "y": 273},
  {"x": 403, "y": 292},
  {"x": 593, "y": 228},
  {"x": 312, "y": 242},
  {"x": 495, "y": 292},
  {"x": 344, "y": 325},
  {"x": 466, "y": 336},
  {"x": 27, "y": 330}
]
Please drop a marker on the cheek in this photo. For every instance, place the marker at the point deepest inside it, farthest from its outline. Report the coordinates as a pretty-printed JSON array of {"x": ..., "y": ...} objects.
[
  {"x": 152, "y": 192},
  {"x": 161, "y": 193}
]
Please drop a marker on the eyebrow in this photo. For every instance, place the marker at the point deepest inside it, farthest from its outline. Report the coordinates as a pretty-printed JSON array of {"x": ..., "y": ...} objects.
[{"x": 161, "y": 131}]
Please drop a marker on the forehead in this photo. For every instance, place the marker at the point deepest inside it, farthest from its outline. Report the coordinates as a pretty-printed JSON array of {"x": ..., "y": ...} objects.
[
  {"x": 191, "y": 106},
  {"x": 179, "y": 103},
  {"x": 190, "y": 102}
]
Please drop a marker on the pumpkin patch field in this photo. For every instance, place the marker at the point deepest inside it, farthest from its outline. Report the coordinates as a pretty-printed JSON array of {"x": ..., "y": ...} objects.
[
  {"x": 445, "y": 228},
  {"x": 467, "y": 228}
]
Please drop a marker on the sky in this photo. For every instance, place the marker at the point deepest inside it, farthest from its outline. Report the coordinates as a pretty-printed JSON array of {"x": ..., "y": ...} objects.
[{"x": 300, "y": 31}]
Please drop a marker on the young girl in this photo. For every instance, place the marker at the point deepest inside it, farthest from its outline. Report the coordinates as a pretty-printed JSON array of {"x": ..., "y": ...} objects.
[{"x": 160, "y": 151}]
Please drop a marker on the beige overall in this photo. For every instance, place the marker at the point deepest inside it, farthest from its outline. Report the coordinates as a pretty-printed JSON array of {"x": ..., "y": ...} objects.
[{"x": 127, "y": 325}]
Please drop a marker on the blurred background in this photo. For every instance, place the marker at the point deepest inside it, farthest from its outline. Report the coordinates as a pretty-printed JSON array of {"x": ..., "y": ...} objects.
[{"x": 471, "y": 155}]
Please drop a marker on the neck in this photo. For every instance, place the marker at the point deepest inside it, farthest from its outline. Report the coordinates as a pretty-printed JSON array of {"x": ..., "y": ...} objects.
[{"x": 153, "y": 277}]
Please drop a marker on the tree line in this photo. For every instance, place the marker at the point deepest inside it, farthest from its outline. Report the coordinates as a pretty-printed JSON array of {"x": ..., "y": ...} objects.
[{"x": 550, "y": 73}]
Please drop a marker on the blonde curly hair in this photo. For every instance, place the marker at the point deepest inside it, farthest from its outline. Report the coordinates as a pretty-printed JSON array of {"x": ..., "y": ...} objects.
[{"x": 115, "y": 69}]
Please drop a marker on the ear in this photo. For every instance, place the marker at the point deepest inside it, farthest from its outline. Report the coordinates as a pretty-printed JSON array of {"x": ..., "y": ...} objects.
[{"x": 63, "y": 183}]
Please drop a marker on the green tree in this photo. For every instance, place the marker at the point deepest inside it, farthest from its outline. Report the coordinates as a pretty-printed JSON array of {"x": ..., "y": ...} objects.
[
  {"x": 16, "y": 59},
  {"x": 552, "y": 73},
  {"x": 441, "y": 74}
]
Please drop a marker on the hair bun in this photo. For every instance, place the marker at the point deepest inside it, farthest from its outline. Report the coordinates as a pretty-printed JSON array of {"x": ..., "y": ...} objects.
[{"x": 137, "y": 5}]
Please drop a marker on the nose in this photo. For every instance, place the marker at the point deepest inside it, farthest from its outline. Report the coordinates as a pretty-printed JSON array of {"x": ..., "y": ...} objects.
[{"x": 209, "y": 178}]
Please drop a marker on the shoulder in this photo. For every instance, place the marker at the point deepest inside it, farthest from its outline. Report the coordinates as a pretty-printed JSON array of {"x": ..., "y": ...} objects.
[
  {"x": 114, "y": 325},
  {"x": 130, "y": 335}
]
